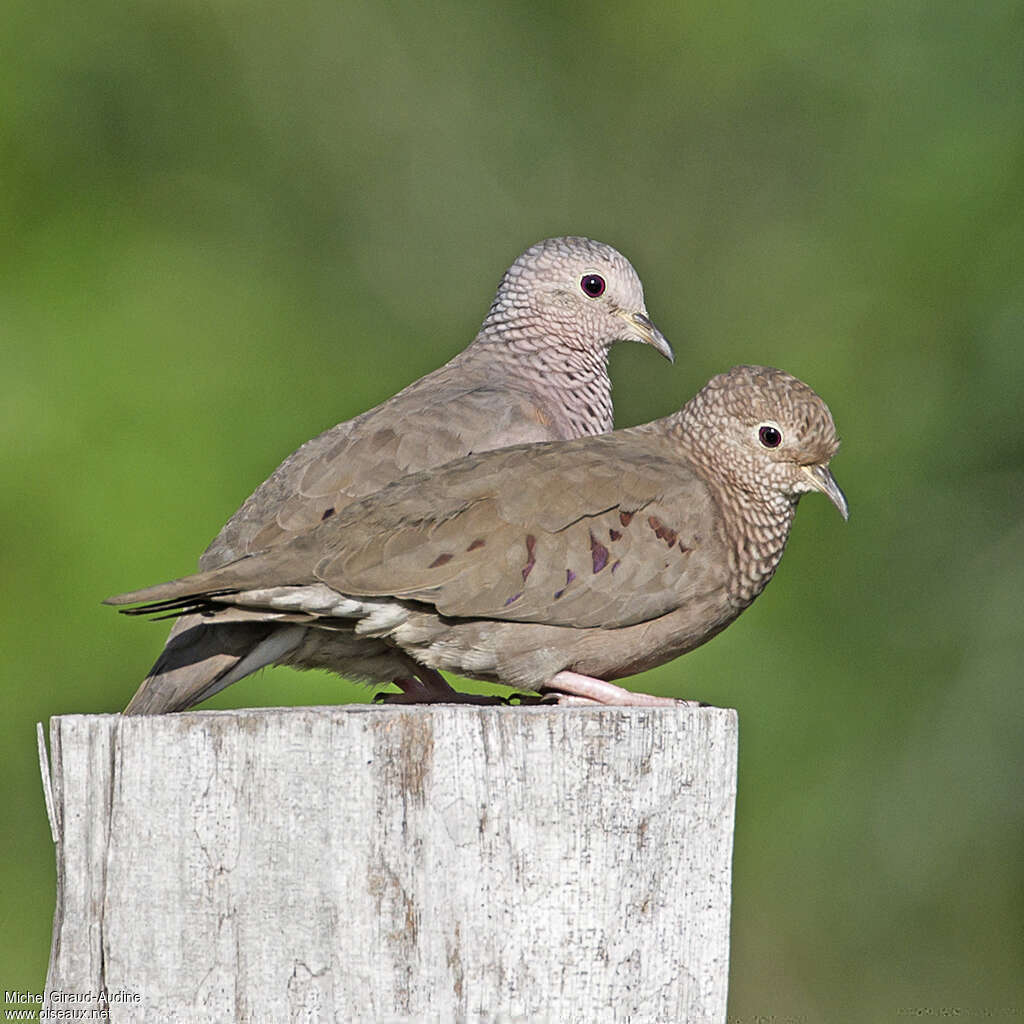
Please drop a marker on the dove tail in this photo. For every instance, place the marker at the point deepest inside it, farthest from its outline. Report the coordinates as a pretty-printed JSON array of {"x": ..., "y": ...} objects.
[{"x": 201, "y": 659}]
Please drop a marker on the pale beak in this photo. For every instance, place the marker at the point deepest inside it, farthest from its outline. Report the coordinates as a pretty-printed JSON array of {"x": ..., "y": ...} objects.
[
  {"x": 646, "y": 333},
  {"x": 822, "y": 480}
]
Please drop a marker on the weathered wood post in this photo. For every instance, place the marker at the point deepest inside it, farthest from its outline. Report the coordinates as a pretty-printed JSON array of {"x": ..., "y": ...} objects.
[{"x": 427, "y": 864}]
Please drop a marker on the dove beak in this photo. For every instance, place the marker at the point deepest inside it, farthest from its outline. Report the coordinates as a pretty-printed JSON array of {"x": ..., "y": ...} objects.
[
  {"x": 646, "y": 333},
  {"x": 821, "y": 479}
]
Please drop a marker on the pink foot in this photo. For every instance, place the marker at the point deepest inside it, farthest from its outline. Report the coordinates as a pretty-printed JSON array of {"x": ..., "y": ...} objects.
[{"x": 572, "y": 688}]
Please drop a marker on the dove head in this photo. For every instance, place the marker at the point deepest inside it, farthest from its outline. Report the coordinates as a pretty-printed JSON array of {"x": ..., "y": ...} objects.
[
  {"x": 767, "y": 433},
  {"x": 575, "y": 293}
]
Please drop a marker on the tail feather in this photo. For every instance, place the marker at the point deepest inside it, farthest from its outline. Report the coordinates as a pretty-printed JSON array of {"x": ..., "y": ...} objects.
[
  {"x": 172, "y": 607},
  {"x": 199, "y": 660},
  {"x": 238, "y": 575},
  {"x": 171, "y": 594}
]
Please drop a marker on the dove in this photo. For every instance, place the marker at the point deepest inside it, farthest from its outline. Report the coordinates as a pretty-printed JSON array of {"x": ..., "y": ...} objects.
[
  {"x": 537, "y": 370},
  {"x": 555, "y": 567}
]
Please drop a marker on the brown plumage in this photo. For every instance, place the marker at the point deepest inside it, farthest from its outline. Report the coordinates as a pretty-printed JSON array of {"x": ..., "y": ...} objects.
[
  {"x": 537, "y": 370},
  {"x": 539, "y": 566}
]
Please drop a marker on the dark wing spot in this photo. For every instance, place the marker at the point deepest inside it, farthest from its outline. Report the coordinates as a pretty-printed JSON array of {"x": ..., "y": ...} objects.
[
  {"x": 661, "y": 531},
  {"x": 514, "y": 597},
  {"x": 440, "y": 560},
  {"x": 614, "y": 534},
  {"x": 328, "y": 512},
  {"x": 685, "y": 550},
  {"x": 478, "y": 543},
  {"x": 598, "y": 553},
  {"x": 616, "y": 564},
  {"x": 569, "y": 577},
  {"x": 626, "y": 518},
  {"x": 531, "y": 543}
]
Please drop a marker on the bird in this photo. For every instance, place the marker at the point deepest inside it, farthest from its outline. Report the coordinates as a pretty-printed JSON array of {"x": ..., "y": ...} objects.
[
  {"x": 555, "y": 567},
  {"x": 536, "y": 370}
]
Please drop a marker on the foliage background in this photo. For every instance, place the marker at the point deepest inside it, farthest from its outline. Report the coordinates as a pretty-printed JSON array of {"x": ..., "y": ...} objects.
[{"x": 227, "y": 226}]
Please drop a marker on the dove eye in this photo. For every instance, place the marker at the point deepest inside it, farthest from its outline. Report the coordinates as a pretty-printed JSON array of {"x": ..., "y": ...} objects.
[
  {"x": 592, "y": 285},
  {"x": 770, "y": 437}
]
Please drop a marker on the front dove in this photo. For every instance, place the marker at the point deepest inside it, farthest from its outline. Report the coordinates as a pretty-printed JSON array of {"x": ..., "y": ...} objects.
[{"x": 554, "y": 567}]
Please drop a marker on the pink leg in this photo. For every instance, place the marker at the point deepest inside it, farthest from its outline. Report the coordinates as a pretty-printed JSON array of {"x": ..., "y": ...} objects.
[{"x": 573, "y": 688}]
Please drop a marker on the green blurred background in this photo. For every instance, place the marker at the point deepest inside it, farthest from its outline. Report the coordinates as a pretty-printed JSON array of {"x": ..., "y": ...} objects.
[{"x": 227, "y": 226}]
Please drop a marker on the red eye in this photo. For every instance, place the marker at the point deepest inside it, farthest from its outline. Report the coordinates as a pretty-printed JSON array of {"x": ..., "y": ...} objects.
[
  {"x": 770, "y": 437},
  {"x": 593, "y": 285}
]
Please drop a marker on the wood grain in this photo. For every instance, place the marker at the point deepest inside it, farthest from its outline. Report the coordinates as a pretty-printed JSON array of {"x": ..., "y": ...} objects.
[{"x": 396, "y": 864}]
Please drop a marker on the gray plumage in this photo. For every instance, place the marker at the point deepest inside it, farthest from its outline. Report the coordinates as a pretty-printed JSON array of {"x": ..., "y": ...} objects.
[
  {"x": 537, "y": 370},
  {"x": 541, "y": 565}
]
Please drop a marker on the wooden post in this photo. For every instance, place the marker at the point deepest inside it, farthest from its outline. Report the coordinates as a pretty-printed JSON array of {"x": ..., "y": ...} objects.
[{"x": 420, "y": 864}]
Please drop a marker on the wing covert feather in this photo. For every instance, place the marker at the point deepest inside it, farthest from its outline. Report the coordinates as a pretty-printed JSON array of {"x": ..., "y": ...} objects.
[{"x": 579, "y": 535}]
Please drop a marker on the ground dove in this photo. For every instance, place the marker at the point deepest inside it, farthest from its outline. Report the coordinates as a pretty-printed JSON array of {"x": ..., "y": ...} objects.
[
  {"x": 553, "y": 567},
  {"x": 536, "y": 371}
]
